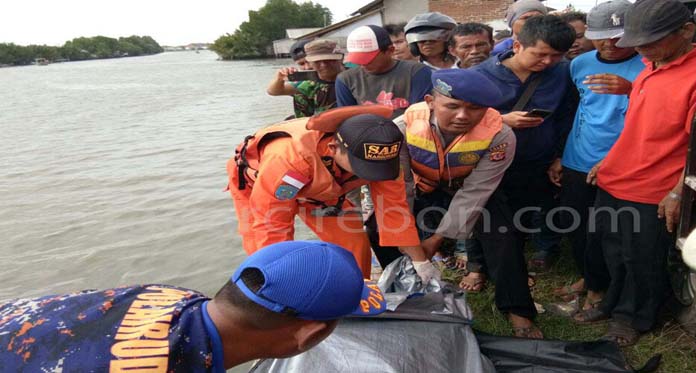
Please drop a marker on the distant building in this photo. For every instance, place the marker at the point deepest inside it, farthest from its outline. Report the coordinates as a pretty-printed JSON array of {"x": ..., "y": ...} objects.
[
  {"x": 382, "y": 12},
  {"x": 281, "y": 48}
]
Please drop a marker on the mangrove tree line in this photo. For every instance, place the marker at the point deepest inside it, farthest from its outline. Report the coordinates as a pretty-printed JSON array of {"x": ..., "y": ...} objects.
[{"x": 80, "y": 49}]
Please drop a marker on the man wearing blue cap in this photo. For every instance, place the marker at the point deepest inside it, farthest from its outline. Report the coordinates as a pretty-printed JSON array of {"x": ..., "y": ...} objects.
[
  {"x": 458, "y": 151},
  {"x": 269, "y": 309}
]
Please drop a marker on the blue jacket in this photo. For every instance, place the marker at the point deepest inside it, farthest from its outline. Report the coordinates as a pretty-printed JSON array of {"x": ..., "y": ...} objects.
[{"x": 556, "y": 93}]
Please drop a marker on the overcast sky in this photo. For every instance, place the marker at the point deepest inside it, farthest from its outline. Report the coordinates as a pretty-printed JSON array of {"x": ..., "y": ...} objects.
[{"x": 170, "y": 22}]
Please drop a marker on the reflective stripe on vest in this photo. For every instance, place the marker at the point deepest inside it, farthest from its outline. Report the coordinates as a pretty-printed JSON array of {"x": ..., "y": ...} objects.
[{"x": 431, "y": 162}]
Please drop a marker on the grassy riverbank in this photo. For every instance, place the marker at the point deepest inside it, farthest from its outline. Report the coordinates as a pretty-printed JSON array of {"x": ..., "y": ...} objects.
[{"x": 678, "y": 349}]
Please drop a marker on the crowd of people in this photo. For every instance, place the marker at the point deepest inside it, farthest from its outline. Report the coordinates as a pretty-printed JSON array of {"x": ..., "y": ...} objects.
[
  {"x": 425, "y": 136},
  {"x": 501, "y": 143}
]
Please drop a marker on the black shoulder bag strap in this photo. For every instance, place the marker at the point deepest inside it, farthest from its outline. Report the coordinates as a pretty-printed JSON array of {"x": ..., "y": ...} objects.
[{"x": 527, "y": 94}]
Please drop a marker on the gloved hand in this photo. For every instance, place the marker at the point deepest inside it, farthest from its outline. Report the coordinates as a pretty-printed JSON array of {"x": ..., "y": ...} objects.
[{"x": 426, "y": 271}]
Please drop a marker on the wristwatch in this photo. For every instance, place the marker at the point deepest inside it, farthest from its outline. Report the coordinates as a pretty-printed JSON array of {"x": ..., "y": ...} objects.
[{"x": 674, "y": 196}]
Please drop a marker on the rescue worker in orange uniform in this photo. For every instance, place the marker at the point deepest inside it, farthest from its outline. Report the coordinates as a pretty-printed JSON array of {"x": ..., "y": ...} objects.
[{"x": 305, "y": 167}]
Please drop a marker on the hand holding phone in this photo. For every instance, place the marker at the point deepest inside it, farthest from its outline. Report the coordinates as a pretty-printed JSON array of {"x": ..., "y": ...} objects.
[
  {"x": 301, "y": 75},
  {"x": 521, "y": 119},
  {"x": 539, "y": 113}
]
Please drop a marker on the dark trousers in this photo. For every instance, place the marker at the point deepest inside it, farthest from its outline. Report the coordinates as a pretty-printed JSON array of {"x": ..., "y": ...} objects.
[
  {"x": 635, "y": 244},
  {"x": 384, "y": 254},
  {"x": 576, "y": 199},
  {"x": 530, "y": 195},
  {"x": 503, "y": 255},
  {"x": 498, "y": 252}
]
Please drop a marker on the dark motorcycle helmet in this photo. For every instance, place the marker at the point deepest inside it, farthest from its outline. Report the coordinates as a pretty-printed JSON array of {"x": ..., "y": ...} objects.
[{"x": 427, "y": 26}]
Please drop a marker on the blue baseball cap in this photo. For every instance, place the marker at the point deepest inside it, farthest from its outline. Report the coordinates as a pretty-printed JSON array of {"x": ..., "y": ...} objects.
[
  {"x": 316, "y": 280},
  {"x": 467, "y": 85}
]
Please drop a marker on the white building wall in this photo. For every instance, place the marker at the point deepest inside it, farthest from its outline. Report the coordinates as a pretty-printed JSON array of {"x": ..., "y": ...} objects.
[
  {"x": 397, "y": 11},
  {"x": 340, "y": 35}
]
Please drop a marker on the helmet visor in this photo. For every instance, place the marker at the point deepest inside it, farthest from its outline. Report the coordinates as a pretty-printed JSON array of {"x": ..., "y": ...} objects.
[{"x": 416, "y": 36}]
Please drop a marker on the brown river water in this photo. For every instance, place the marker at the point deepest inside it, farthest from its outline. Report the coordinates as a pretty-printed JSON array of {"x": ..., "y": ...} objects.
[{"x": 112, "y": 171}]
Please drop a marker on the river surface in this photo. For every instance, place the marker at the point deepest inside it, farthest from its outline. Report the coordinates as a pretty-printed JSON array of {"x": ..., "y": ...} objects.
[{"x": 112, "y": 171}]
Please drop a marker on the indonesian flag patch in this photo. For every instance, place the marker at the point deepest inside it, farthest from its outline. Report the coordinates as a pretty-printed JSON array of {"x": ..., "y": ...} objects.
[{"x": 290, "y": 185}]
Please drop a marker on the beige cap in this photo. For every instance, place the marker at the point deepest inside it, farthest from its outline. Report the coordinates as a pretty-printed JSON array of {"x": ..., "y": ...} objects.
[{"x": 322, "y": 49}]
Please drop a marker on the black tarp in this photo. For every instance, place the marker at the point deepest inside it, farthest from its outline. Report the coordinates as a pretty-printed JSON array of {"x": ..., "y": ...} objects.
[{"x": 432, "y": 332}]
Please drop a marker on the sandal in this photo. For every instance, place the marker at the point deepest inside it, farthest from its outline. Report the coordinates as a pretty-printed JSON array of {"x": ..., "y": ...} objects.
[
  {"x": 590, "y": 315},
  {"x": 473, "y": 285},
  {"x": 622, "y": 334}
]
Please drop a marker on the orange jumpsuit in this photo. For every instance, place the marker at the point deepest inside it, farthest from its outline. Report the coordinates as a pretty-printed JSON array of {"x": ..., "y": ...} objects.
[{"x": 291, "y": 173}]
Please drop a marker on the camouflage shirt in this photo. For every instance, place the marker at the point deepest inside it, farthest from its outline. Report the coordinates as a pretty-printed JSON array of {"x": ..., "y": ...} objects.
[{"x": 313, "y": 97}]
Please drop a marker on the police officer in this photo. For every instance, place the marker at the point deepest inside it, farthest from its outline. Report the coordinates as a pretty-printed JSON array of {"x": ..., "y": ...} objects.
[
  {"x": 306, "y": 166},
  {"x": 458, "y": 151}
]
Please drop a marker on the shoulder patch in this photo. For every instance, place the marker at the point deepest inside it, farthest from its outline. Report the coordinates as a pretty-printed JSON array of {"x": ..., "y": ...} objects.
[
  {"x": 285, "y": 192},
  {"x": 497, "y": 153},
  {"x": 498, "y": 147},
  {"x": 290, "y": 185}
]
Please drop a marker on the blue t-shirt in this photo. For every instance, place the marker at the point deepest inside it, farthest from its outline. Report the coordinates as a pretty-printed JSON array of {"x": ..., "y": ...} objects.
[
  {"x": 157, "y": 326},
  {"x": 599, "y": 119}
]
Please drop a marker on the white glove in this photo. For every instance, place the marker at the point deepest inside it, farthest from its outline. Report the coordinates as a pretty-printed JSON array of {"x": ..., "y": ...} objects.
[{"x": 427, "y": 271}]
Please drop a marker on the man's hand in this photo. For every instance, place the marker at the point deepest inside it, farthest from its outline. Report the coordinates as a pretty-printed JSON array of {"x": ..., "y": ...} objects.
[
  {"x": 426, "y": 271},
  {"x": 432, "y": 244},
  {"x": 279, "y": 85},
  {"x": 555, "y": 172},
  {"x": 608, "y": 84},
  {"x": 669, "y": 208},
  {"x": 416, "y": 253},
  {"x": 282, "y": 74},
  {"x": 517, "y": 119},
  {"x": 592, "y": 175}
]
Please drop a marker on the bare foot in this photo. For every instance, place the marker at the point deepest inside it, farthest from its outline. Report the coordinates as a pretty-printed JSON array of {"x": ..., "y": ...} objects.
[
  {"x": 473, "y": 282},
  {"x": 592, "y": 300},
  {"x": 461, "y": 261},
  {"x": 524, "y": 328}
]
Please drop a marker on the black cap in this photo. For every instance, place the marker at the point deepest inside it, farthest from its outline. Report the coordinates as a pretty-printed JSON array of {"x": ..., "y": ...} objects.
[
  {"x": 373, "y": 145},
  {"x": 297, "y": 49},
  {"x": 651, "y": 20}
]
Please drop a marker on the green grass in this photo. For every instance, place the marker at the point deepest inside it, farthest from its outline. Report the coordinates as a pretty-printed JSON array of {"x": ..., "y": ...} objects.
[{"x": 678, "y": 348}]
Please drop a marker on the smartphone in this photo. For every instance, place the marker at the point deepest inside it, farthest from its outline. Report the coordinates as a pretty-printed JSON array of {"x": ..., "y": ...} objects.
[
  {"x": 301, "y": 75},
  {"x": 539, "y": 113}
]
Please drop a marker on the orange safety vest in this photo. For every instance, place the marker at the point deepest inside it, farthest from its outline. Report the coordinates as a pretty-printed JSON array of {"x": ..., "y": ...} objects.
[
  {"x": 431, "y": 162},
  {"x": 306, "y": 135}
]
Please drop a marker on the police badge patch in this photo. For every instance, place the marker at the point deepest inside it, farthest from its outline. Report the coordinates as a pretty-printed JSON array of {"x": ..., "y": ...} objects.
[
  {"x": 469, "y": 158},
  {"x": 497, "y": 153}
]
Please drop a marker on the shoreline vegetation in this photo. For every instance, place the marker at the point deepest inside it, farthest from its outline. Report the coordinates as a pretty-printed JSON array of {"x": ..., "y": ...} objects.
[
  {"x": 254, "y": 38},
  {"x": 78, "y": 49}
]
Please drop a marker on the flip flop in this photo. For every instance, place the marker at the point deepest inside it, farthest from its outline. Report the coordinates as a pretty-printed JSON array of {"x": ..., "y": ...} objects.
[{"x": 622, "y": 334}]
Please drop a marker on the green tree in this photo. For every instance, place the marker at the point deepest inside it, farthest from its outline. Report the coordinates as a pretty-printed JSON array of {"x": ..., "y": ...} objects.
[
  {"x": 80, "y": 49},
  {"x": 254, "y": 37}
]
